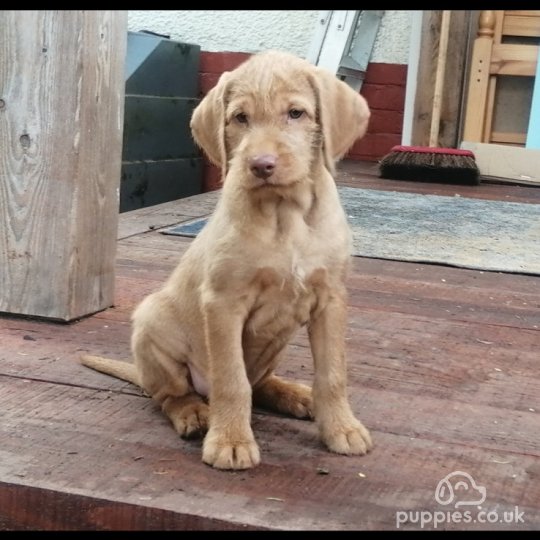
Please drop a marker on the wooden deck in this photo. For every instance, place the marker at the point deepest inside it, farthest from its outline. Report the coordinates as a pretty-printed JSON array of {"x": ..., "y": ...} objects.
[{"x": 444, "y": 368}]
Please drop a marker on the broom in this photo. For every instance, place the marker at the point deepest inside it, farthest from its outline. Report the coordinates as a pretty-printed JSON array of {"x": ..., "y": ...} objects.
[{"x": 429, "y": 163}]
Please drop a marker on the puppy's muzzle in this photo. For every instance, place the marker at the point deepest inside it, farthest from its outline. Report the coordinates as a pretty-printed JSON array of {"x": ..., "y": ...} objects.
[{"x": 263, "y": 166}]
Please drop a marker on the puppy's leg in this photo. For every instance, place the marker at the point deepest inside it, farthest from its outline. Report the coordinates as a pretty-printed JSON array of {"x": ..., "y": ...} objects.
[
  {"x": 283, "y": 396},
  {"x": 167, "y": 381},
  {"x": 339, "y": 429},
  {"x": 229, "y": 443}
]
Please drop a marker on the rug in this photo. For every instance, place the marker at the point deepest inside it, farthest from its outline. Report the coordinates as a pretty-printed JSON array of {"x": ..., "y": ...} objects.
[{"x": 456, "y": 231}]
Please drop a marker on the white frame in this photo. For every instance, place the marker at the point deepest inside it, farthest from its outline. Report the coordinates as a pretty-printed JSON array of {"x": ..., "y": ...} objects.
[
  {"x": 412, "y": 75},
  {"x": 331, "y": 37}
]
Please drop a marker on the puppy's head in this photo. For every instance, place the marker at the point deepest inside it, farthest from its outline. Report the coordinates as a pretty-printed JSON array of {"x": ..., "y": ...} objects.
[{"x": 276, "y": 117}]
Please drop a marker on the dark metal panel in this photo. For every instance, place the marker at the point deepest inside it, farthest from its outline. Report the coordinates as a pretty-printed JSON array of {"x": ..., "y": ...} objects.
[
  {"x": 158, "y": 128},
  {"x": 161, "y": 67},
  {"x": 145, "y": 183}
]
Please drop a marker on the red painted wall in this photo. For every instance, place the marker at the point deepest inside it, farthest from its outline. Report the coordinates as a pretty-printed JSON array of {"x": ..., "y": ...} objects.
[{"x": 383, "y": 88}]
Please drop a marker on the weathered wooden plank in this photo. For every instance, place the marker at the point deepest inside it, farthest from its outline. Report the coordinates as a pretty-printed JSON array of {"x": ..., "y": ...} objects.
[
  {"x": 286, "y": 490},
  {"x": 166, "y": 214},
  {"x": 171, "y": 253},
  {"x": 62, "y": 82},
  {"x": 59, "y": 511},
  {"x": 487, "y": 297},
  {"x": 449, "y": 309},
  {"x": 433, "y": 273},
  {"x": 455, "y": 75},
  {"x": 380, "y": 341},
  {"x": 453, "y": 80},
  {"x": 426, "y": 78}
]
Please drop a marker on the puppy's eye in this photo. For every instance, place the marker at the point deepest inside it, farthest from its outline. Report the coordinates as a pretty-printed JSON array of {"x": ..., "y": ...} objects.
[
  {"x": 241, "y": 118},
  {"x": 295, "y": 114}
]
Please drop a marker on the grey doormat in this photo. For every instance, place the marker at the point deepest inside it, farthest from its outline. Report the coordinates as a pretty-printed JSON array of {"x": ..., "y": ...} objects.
[{"x": 469, "y": 233}]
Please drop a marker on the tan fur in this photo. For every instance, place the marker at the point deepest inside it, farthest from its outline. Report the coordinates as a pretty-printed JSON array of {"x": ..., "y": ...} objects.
[{"x": 272, "y": 258}]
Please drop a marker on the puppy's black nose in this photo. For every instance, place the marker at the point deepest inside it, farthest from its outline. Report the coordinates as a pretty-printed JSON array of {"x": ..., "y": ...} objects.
[{"x": 263, "y": 166}]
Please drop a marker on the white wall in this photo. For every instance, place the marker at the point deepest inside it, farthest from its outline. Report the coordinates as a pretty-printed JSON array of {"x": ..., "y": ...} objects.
[
  {"x": 392, "y": 43},
  {"x": 253, "y": 31}
]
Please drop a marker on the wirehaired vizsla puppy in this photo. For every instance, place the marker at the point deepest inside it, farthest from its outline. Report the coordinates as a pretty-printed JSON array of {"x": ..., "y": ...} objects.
[{"x": 272, "y": 258}]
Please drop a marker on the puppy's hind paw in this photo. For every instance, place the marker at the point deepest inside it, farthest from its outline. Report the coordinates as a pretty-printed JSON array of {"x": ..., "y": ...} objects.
[
  {"x": 285, "y": 397},
  {"x": 189, "y": 415}
]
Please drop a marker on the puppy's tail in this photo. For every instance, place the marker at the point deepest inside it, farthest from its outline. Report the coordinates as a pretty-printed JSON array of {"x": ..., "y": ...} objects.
[{"x": 120, "y": 370}]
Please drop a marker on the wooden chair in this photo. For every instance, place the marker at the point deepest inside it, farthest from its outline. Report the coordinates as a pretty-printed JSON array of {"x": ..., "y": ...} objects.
[{"x": 493, "y": 55}]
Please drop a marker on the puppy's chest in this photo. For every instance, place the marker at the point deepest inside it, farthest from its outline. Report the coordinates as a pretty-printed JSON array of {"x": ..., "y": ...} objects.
[{"x": 286, "y": 298}]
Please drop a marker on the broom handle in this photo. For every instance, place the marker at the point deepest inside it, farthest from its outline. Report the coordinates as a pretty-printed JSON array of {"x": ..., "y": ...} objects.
[{"x": 439, "y": 80}]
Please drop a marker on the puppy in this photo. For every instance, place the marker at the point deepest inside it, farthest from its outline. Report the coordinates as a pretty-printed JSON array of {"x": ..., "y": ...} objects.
[{"x": 272, "y": 258}]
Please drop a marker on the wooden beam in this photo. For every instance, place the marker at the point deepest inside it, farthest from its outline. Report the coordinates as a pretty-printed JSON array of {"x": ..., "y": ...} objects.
[
  {"x": 492, "y": 83},
  {"x": 454, "y": 78},
  {"x": 477, "y": 95},
  {"x": 522, "y": 13},
  {"x": 426, "y": 78},
  {"x": 520, "y": 25},
  {"x": 509, "y": 59},
  {"x": 76, "y": 512},
  {"x": 508, "y": 137},
  {"x": 61, "y": 122}
]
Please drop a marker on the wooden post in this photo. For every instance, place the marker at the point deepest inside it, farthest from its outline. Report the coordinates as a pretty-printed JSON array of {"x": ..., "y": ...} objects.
[
  {"x": 453, "y": 80},
  {"x": 477, "y": 96},
  {"x": 439, "y": 78},
  {"x": 61, "y": 121}
]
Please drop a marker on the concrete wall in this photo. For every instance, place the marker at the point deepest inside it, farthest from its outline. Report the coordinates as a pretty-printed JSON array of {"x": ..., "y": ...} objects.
[
  {"x": 392, "y": 43},
  {"x": 253, "y": 31}
]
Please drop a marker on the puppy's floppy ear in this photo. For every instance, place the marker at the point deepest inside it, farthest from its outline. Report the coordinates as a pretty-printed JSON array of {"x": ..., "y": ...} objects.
[
  {"x": 208, "y": 123},
  {"x": 342, "y": 113}
]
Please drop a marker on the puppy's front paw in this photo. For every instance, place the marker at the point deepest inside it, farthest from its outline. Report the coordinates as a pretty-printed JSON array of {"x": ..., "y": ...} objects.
[
  {"x": 350, "y": 438},
  {"x": 225, "y": 452}
]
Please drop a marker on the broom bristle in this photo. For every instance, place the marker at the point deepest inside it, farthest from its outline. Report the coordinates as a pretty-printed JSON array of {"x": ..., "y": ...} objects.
[{"x": 430, "y": 166}]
